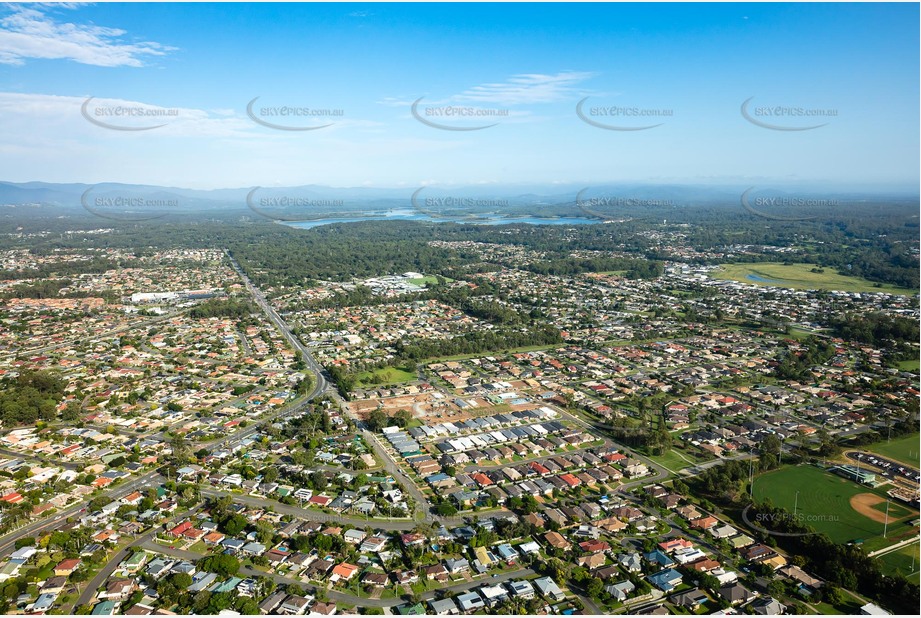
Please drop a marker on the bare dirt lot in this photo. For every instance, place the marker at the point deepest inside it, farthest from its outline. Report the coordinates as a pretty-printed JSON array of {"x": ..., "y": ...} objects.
[
  {"x": 421, "y": 405},
  {"x": 430, "y": 409}
]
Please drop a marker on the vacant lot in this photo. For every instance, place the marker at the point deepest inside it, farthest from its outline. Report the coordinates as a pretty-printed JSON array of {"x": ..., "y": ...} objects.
[
  {"x": 423, "y": 402},
  {"x": 383, "y": 377},
  {"x": 825, "y": 504},
  {"x": 801, "y": 277}
]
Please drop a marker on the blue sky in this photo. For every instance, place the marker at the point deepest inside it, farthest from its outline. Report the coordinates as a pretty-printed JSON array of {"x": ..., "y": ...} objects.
[{"x": 689, "y": 68}]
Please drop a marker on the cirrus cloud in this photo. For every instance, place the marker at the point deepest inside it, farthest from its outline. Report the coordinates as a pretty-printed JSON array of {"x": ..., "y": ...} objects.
[
  {"x": 528, "y": 88},
  {"x": 29, "y": 32}
]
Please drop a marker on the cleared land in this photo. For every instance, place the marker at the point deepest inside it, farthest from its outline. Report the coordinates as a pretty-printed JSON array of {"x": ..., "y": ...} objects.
[
  {"x": 801, "y": 277},
  {"x": 906, "y": 450},
  {"x": 382, "y": 377},
  {"x": 825, "y": 504},
  {"x": 428, "y": 279}
]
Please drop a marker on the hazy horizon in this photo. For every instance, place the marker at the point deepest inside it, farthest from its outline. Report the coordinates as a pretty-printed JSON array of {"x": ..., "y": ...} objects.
[{"x": 547, "y": 94}]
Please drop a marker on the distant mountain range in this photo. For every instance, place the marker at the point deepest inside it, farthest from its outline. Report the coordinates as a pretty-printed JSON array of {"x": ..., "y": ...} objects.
[{"x": 319, "y": 198}]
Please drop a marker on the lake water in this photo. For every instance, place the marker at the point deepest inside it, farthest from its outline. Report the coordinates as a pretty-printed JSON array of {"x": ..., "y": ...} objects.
[{"x": 414, "y": 215}]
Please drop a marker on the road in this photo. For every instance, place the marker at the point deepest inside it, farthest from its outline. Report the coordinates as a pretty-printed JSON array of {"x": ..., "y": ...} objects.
[
  {"x": 121, "y": 329},
  {"x": 600, "y": 429},
  {"x": 539, "y": 458},
  {"x": 310, "y": 514},
  {"x": 344, "y": 597},
  {"x": 8, "y": 541},
  {"x": 89, "y": 592},
  {"x": 892, "y": 548},
  {"x": 45, "y": 462},
  {"x": 321, "y": 385},
  {"x": 887, "y": 467},
  {"x": 421, "y": 511}
]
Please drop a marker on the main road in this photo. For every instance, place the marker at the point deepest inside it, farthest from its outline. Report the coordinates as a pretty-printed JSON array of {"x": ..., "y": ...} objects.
[
  {"x": 8, "y": 541},
  {"x": 423, "y": 508},
  {"x": 321, "y": 384}
]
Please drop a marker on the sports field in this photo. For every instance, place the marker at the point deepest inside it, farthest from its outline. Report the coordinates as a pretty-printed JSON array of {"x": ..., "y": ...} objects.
[
  {"x": 801, "y": 277},
  {"x": 904, "y": 561},
  {"x": 905, "y": 450},
  {"x": 838, "y": 507}
]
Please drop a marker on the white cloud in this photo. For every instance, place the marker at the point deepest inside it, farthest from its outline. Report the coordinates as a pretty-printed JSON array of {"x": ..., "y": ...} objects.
[
  {"x": 527, "y": 88},
  {"x": 523, "y": 89},
  {"x": 28, "y": 33},
  {"x": 396, "y": 102},
  {"x": 37, "y": 113},
  {"x": 41, "y": 112}
]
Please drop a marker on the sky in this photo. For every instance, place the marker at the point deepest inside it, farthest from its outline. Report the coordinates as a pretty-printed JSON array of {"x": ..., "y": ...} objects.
[{"x": 504, "y": 94}]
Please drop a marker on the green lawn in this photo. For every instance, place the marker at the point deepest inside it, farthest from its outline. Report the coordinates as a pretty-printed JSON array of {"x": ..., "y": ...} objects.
[
  {"x": 905, "y": 450},
  {"x": 673, "y": 461},
  {"x": 801, "y": 277},
  {"x": 383, "y": 377},
  {"x": 894, "y": 509},
  {"x": 910, "y": 365},
  {"x": 824, "y": 505},
  {"x": 850, "y": 607},
  {"x": 799, "y": 333},
  {"x": 905, "y": 561}
]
